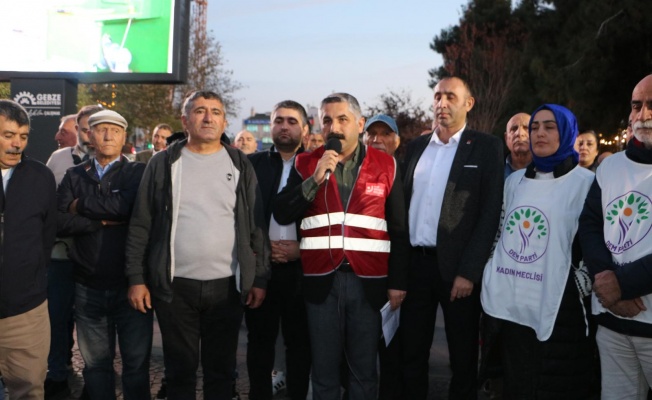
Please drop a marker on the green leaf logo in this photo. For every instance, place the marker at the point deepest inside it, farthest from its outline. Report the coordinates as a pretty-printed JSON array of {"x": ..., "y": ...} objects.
[{"x": 528, "y": 223}]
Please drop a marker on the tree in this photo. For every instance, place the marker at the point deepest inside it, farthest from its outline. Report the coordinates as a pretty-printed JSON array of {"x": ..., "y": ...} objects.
[
  {"x": 206, "y": 71},
  {"x": 585, "y": 55},
  {"x": 481, "y": 50},
  {"x": 411, "y": 119},
  {"x": 143, "y": 106},
  {"x": 5, "y": 90}
]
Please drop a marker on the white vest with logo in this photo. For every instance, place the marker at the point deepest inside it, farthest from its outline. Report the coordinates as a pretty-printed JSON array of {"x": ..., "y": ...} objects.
[
  {"x": 524, "y": 280},
  {"x": 627, "y": 212}
]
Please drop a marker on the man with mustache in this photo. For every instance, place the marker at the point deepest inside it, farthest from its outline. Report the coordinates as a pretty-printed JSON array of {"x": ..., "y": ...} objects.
[
  {"x": 454, "y": 187},
  {"x": 95, "y": 199},
  {"x": 381, "y": 132},
  {"x": 28, "y": 225},
  {"x": 517, "y": 140},
  {"x": 353, "y": 248},
  {"x": 614, "y": 234}
]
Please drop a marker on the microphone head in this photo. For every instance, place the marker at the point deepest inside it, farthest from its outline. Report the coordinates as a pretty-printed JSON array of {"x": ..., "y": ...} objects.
[{"x": 333, "y": 144}]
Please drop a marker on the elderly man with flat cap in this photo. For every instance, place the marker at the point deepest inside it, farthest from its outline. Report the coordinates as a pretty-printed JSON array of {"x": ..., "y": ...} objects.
[{"x": 95, "y": 200}]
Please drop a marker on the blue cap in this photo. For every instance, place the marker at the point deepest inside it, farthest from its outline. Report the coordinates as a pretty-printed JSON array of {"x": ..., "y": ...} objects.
[{"x": 386, "y": 119}]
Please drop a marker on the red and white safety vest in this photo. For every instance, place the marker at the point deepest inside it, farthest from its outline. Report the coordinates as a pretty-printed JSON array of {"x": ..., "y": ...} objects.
[{"x": 329, "y": 233}]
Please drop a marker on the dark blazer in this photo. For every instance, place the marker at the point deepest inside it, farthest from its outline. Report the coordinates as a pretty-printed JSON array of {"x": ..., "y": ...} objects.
[
  {"x": 472, "y": 204},
  {"x": 269, "y": 168}
]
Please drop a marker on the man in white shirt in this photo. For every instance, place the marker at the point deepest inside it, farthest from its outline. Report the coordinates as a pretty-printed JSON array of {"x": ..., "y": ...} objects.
[
  {"x": 454, "y": 187},
  {"x": 284, "y": 302},
  {"x": 66, "y": 136}
]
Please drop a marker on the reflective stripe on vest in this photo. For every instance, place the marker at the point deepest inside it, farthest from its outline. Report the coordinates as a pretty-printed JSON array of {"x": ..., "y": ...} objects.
[
  {"x": 337, "y": 242},
  {"x": 354, "y": 220}
]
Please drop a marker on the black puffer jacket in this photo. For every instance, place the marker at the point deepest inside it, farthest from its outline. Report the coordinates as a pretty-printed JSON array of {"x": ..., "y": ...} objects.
[{"x": 99, "y": 249}]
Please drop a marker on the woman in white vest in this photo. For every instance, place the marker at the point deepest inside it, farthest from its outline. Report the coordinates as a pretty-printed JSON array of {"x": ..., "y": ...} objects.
[{"x": 529, "y": 283}]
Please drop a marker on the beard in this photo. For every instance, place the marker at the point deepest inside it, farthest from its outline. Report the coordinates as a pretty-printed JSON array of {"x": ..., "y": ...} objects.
[
  {"x": 643, "y": 133},
  {"x": 286, "y": 144}
]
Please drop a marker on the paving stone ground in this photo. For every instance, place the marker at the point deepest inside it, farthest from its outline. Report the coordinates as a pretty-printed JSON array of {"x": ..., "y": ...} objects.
[{"x": 439, "y": 369}]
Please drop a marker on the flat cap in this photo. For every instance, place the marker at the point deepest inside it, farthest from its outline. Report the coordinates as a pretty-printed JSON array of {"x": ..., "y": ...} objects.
[{"x": 107, "y": 117}]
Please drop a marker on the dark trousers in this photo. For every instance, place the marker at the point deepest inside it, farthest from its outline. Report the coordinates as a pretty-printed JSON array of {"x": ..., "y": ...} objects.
[
  {"x": 61, "y": 305},
  {"x": 204, "y": 319},
  {"x": 345, "y": 324},
  {"x": 427, "y": 290},
  {"x": 283, "y": 304},
  {"x": 389, "y": 358}
]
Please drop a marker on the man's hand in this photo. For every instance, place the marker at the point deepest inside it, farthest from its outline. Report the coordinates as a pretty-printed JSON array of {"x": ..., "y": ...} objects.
[
  {"x": 606, "y": 287},
  {"x": 628, "y": 308},
  {"x": 255, "y": 297},
  {"x": 328, "y": 161},
  {"x": 139, "y": 298},
  {"x": 462, "y": 287},
  {"x": 284, "y": 251},
  {"x": 395, "y": 298},
  {"x": 112, "y": 223},
  {"x": 72, "y": 208}
]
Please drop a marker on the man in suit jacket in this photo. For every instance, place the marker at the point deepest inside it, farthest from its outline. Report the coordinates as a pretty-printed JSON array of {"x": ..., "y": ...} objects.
[
  {"x": 159, "y": 141},
  {"x": 284, "y": 304},
  {"x": 454, "y": 187}
]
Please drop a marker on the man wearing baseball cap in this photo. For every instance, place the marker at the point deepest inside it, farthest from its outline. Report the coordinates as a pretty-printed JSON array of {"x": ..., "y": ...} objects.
[
  {"x": 95, "y": 200},
  {"x": 381, "y": 132}
]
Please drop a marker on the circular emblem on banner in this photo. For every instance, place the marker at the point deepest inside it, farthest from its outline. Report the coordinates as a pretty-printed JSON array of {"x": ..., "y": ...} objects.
[
  {"x": 525, "y": 234},
  {"x": 25, "y": 99},
  {"x": 626, "y": 221}
]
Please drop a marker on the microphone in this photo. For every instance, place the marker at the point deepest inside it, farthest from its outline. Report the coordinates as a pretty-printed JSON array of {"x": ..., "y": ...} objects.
[{"x": 332, "y": 144}]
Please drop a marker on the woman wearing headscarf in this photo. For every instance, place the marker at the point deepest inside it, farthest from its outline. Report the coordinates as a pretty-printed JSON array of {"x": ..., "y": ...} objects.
[{"x": 530, "y": 281}]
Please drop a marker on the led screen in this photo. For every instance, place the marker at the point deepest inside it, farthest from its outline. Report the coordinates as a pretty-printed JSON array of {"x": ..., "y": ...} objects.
[{"x": 94, "y": 40}]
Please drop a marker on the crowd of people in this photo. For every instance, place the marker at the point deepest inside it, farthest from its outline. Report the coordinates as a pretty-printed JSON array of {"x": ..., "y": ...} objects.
[{"x": 543, "y": 254}]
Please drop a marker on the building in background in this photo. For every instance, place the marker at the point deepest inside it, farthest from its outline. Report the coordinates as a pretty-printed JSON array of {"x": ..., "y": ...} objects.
[{"x": 259, "y": 125}]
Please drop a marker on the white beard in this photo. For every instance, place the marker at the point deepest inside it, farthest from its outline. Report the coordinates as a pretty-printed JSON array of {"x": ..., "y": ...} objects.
[{"x": 643, "y": 133}]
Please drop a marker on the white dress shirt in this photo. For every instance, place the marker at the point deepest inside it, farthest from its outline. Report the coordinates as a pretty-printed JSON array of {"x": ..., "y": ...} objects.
[
  {"x": 6, "y": 175},
  {"x": 429, "y": 185}
]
